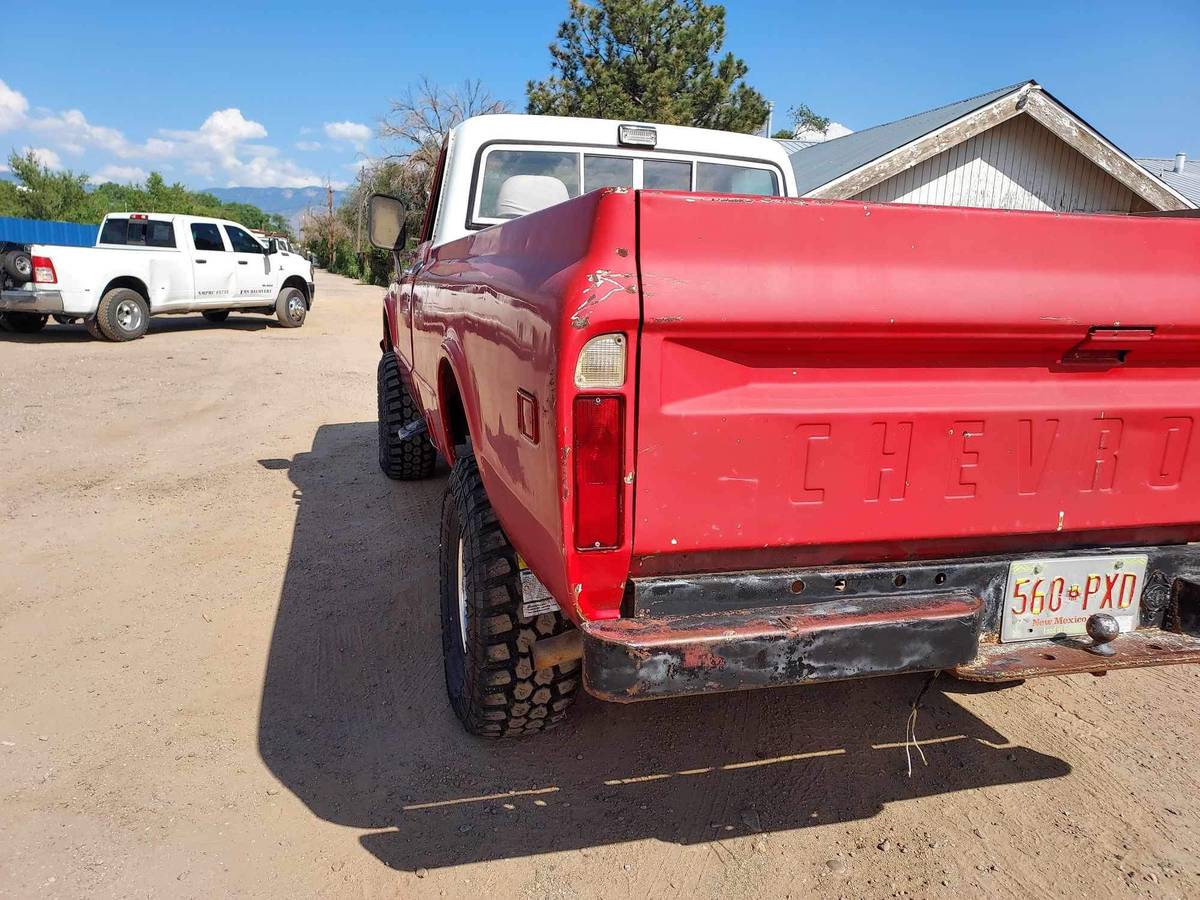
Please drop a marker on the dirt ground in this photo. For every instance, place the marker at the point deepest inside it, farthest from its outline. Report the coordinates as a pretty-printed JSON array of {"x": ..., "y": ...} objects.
[{"x": 220, "y": 674}]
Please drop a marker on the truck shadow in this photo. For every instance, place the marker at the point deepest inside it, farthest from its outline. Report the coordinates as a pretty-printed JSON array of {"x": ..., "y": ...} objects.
[
  {"x": 354, "y": 720},
  {"x": 55, "y": 333}
]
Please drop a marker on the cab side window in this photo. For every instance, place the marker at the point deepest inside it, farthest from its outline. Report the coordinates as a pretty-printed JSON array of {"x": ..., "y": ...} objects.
[
  {"x": 206, "y": 236},
  {"x": 243, "y": 242}
]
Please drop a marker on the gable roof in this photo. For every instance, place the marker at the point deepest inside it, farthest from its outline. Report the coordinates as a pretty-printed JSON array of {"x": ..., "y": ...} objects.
[
  {"x": 1186, "y": 182},
  {"x": 822, "y": 163},
  {"x": 844, "y": 167}
]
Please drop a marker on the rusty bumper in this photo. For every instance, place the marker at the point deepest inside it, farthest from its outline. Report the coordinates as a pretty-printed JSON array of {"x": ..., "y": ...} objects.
[
  {"x": 1065, "y": 656},
  {"x": 642, "y": 659},
  {"x": 865, "y": 631}
]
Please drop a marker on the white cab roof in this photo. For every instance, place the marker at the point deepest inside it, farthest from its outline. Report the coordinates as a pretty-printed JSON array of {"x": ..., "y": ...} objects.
[{"x": 469, "y": 140}]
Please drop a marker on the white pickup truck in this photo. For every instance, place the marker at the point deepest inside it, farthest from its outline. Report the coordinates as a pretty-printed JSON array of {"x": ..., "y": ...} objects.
[{"x": 148, "y": 264}]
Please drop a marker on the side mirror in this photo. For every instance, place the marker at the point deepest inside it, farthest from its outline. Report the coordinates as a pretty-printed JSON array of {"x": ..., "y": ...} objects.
[
  {"x": 272, "y": 246},
  {"x": 386, "y": 222}
]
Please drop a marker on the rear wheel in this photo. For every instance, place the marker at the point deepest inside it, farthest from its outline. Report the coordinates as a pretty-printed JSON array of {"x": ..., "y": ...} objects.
[
  {"x": 291, "y": 307},
  {"x": 409, "y": 457},
  {"x": 93, "y": 328},
  {"x": 25, "y": 322},
  {"x": 123, "y": 315},
  {"x": 487, "y": 645},
  {"x": 216, "y": 316}
]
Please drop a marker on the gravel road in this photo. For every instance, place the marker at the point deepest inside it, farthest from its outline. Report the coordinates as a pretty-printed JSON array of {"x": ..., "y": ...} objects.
[{"x": 220, "y": 675}]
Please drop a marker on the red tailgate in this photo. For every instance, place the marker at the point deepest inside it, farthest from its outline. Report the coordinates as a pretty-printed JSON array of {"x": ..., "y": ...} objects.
[{"x": 877, "y": 381}]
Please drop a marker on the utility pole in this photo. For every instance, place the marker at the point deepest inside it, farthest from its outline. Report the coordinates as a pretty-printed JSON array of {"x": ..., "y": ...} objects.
[{"x": 329, "y": 207}]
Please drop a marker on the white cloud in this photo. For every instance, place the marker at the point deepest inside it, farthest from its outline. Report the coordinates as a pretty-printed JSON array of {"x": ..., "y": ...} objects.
[
  {"x": 44, "y": 156},
  {"x": 119, "y": 174},
  {"x": 835, "y": 130},
  {"x": 3, "y": 167},
  {"x": 13, "y": 107},
  {"x": 308, "y": 146},
  {"x": 72, "y": 132},
  {"x": 227, "y": 148},
  {"x": 354, "y": 133},
  {"x": 221, "y": 150}
]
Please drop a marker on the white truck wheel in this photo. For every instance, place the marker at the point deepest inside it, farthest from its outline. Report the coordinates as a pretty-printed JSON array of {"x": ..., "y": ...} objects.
[
  {"x": 291, "y": 307},
  {"x": 123, "y": 315}
]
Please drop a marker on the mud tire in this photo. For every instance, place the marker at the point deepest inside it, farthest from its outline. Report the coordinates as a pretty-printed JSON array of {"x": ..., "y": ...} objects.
[
  {"x": 407, "y": 459},
  {"x": 491, "y": 681}
]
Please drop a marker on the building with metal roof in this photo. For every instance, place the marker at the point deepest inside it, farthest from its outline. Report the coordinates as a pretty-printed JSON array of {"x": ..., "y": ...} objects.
[
  {"x": 1014, "y": 147},
  {"x": 1179, "y": 172}
]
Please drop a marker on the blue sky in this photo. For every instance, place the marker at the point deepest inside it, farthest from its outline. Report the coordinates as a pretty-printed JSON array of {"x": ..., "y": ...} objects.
[{"x": 283, "y": 94}]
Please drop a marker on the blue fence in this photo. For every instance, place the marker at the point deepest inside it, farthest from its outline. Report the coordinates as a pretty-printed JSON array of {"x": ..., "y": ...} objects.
[{"x": 36, "y": 231}]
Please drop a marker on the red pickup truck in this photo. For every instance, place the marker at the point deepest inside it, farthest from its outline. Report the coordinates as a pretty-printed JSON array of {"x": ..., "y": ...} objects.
[{"x": 705, "y": 435}]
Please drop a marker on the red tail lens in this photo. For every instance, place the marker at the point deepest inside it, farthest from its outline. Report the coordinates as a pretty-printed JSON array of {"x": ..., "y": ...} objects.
[
  {"x": 599, "y": 457},
  {"x": 43, "y": 270}
]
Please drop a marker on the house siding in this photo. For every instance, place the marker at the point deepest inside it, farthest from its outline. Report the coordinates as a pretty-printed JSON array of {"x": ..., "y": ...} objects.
[{"x": 1018, "y": 164}]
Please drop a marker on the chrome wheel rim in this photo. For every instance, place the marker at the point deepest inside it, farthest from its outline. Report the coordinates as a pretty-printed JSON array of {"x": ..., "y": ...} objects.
[
  {"x": 462, "y": 598},
  {"x": 24, "y": 266},
  {"x": 129, "y": 315},
  {"x": 295, "y": 307}
]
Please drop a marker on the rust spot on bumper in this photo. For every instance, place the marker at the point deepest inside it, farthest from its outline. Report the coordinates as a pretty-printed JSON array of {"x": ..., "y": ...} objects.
[
  {"x": 645, "y": 658},
  {"x": 1064, "y": 656}
]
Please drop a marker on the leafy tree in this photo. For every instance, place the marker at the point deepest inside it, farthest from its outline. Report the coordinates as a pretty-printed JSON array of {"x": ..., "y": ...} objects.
[
  {"x": 804, "y": 119},
  {"x": 43, "y": 194},
  {"x": 415, "y": 127},
  {"x": 67, "y": 197},
  {"x": 783, "y": 134},
  {"x": 653, "y": 60}
]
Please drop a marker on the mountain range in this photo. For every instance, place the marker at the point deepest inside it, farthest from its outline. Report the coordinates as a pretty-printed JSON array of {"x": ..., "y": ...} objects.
[{"x": 287, "y": 202}]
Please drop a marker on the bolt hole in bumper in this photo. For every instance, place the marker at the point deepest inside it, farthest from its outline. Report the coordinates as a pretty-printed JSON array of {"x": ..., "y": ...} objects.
[{"x": 859, "y": 623}]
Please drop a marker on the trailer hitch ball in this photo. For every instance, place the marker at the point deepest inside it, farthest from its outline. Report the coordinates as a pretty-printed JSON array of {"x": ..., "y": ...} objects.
[{"x": 1103, "y": 630}]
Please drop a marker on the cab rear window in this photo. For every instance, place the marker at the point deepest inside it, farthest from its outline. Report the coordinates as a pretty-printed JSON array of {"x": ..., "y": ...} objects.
[
  {"x": 514, "y": 181},
  {"x": 138, "y": 233}
]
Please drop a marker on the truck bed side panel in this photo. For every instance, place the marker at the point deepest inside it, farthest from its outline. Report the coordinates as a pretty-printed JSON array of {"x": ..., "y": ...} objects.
[
  {"x": 504, "y": 313},
  {"x": 817, "y": 377}
]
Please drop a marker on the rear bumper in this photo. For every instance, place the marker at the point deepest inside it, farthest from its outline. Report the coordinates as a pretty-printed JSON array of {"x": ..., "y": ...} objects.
[
  {"x": 862, "y": 633},
  {"x": 31, "y": 301},
  {"x": 641, "y": 659}
]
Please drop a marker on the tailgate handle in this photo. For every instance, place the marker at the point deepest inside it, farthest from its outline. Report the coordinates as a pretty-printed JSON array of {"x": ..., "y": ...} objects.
[{"x": 1107, "y": 345}]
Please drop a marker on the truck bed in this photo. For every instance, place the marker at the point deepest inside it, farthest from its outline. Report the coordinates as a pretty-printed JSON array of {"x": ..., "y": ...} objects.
[{"x": 844, "y": 382}]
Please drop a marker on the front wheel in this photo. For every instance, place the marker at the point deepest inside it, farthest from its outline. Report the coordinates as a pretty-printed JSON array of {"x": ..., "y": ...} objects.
[
  {"x": 291, "y": 307},
  {"x": 25, "y": 322},
  {"x": 403, "y": 456},
  {"x": 487, "y": 644}
]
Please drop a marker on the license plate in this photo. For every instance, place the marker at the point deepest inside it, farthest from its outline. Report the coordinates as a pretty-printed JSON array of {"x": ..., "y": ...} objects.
[{"x": 1048, "y": 597}]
